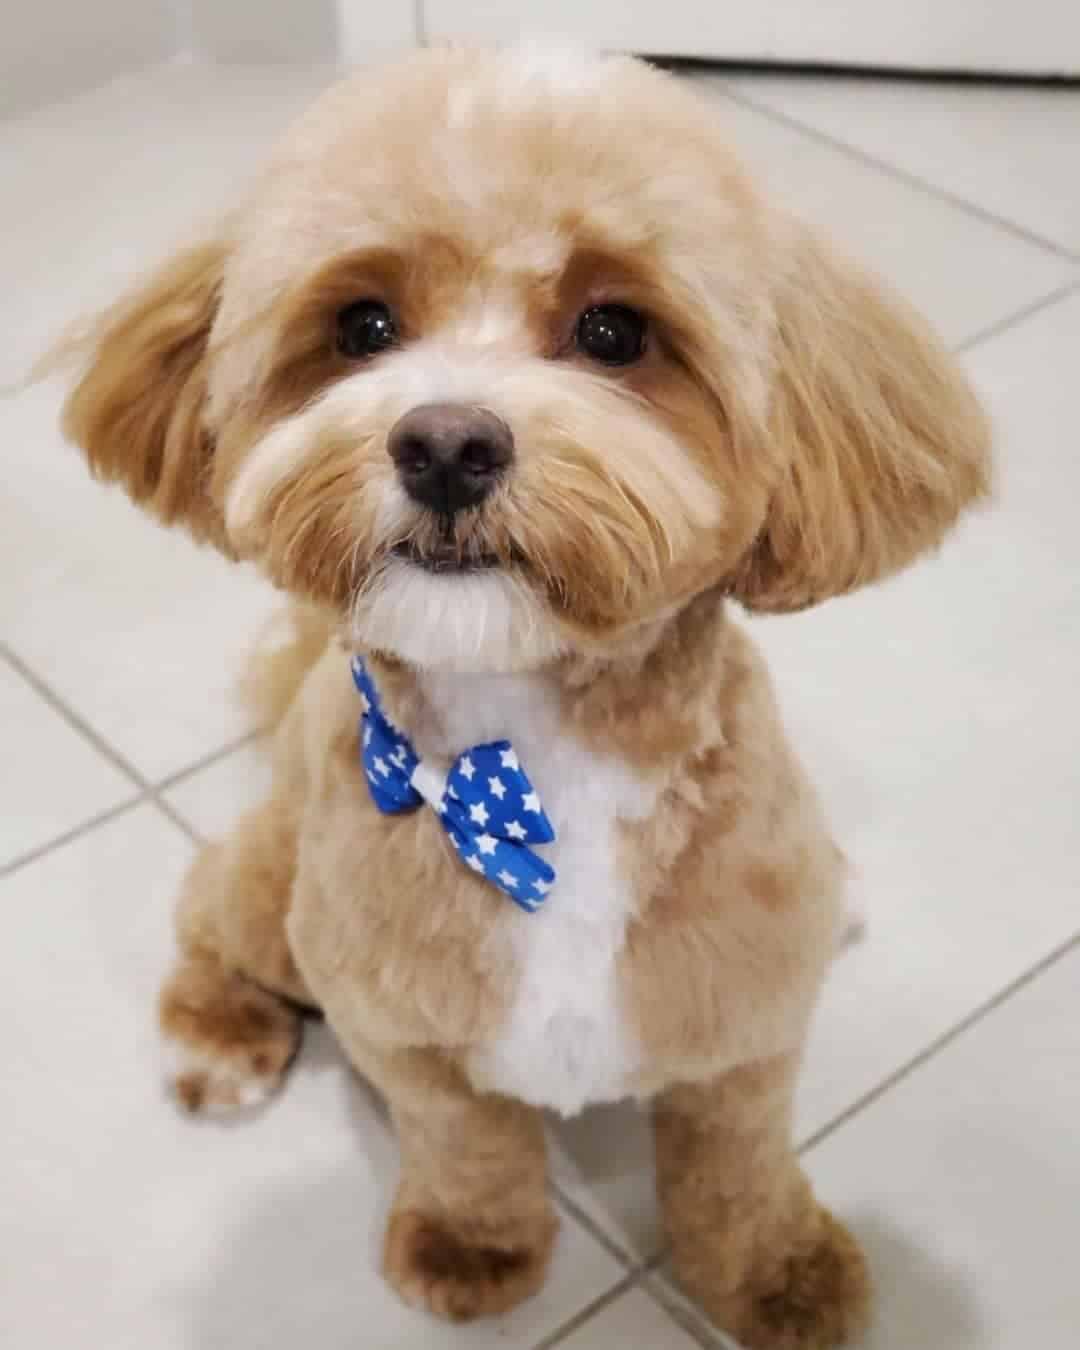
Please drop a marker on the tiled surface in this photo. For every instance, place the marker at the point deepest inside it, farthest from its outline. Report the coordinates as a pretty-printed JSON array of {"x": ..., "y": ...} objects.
[
  {"x": 938, "y": 715},
  {"x": 210, "y": 799},
  {"x": 963, "y": 1181},
  {"x": 936, "y": 254},
  {"x": 1005, "y": 150},
  {"x": 172, "y": 1234},
  {"x": 54, "y": 780}
]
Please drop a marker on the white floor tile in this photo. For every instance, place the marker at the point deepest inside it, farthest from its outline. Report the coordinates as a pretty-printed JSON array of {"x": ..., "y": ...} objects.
[
  {"x": 1010, "y": 151},
  {"x": 963, "y": 1182},
  {"x": 132, "y": 625},
  {"x": 52, "y": 779},
  {"x": 633, "y": 1320},
  {"x": 169, "y": 1234},
  {"x": 603, "y": 1161},
  {"x": 936, "y": 255},
  {"x": 938, "y": 715},
  {"x": 101, "y": 186},
  {"x": 213, "y": 798}
]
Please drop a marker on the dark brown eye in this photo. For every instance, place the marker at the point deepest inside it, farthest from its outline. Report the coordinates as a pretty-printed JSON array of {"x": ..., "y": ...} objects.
[
  {"x": 365, "y": 328},
  {"x": 612, "y": 334}
]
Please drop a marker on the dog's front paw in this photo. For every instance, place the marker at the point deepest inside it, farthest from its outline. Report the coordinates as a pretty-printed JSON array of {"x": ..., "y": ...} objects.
[
  {"x": 228, "y": 1043},
  {"x": 459, "y": 1276},
  {"x": 818, "y": 1298}
]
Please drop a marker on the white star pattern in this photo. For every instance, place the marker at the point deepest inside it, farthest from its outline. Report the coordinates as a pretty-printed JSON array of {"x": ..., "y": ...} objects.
[{"x": 389, "y": 756}]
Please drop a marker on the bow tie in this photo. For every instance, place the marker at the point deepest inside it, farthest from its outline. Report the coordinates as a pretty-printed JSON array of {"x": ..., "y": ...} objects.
[{"x": 485, "y": 803}]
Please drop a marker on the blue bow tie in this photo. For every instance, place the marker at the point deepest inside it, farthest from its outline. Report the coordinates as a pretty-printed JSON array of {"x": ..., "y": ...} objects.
[{"x": 486, "y": 803}]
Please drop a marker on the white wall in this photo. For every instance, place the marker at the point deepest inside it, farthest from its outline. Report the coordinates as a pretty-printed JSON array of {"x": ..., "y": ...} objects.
[
  {"x": 1034, "y": 36},
  {"x": 51, "y": 48},
  {"x": 297, "y": 30}
]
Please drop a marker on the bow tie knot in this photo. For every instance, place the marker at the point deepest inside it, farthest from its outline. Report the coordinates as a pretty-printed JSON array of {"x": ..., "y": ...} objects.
[{"x": 484, "y": 800}]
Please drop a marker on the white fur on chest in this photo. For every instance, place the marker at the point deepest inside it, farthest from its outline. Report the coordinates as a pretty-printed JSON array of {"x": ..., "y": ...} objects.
[{"x": 565, "y": 1042}]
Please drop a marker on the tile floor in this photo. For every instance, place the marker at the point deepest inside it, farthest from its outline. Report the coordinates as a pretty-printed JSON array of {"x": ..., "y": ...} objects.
[{"x": 941, "y": 1104}]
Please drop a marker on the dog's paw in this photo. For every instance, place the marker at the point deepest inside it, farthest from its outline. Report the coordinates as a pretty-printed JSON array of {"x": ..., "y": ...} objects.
[
  {"x": 433, "y": 1267},
  {"x": 203, "y": 1083},
  {"x": 820, "y": 1297},
  {"x": 227, "y": 1042}
]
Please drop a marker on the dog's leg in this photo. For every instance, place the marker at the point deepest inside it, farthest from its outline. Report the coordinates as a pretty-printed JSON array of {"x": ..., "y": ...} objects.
[
  {"x": 472, "y": 1226},
  {"x": 749, "y": 1241},
  {"x": 228, "y": 1010}
]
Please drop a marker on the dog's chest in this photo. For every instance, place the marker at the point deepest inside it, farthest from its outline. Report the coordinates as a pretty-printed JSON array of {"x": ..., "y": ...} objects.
[{"x": 565, "y": 1041}]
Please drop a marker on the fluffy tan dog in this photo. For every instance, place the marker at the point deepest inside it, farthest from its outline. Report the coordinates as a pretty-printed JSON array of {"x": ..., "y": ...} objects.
[{"x": 508, "y": 374}]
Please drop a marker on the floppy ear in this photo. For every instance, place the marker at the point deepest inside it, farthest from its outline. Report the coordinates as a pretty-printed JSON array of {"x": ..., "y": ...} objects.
[
  {"x": 137, "y": 410},
  {"x": 881, "y": 439}
]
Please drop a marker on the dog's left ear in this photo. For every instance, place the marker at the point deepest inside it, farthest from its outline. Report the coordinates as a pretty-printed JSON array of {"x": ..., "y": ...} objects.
[
  {"x": 138, "y": 408},
  {"x": 881, "y": 440}
]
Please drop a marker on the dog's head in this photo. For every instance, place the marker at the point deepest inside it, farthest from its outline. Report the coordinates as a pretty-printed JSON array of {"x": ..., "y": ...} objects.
[{"x": 504, "y": 356}]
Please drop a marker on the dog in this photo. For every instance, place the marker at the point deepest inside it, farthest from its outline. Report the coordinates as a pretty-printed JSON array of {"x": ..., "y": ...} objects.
[{"x": 507, "y": 374}]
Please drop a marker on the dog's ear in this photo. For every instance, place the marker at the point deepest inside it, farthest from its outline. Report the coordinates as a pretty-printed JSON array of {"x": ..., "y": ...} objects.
[
  {"x": 881, "y": 440},
  {"x": 138, "y": 407}
]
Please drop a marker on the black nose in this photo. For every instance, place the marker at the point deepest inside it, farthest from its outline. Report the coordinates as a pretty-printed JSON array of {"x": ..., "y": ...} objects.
[{"x": 449, "y": 455}]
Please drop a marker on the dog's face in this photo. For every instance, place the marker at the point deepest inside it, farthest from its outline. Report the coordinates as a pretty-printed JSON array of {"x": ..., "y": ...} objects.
[{"x": 504, "y": 357}]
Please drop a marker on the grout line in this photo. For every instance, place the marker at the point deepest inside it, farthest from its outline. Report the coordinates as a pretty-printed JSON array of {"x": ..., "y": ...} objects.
[
  {"x": 189, "y": 770},
  {"x": 941, "y": 1043},
  {"x": 999, "y": 326},
  {"x": 79, "y": 724},
  {"x": 583, "y": 1315},
  {"x": 76, "y": 832},
  {"x": 171, "y": 813},
  {"x": 901, "y": 175},
  {"x": 585, "y": 1220},
  {"x": 73, "y": 719},
  {"x": 655, "y": 1284},
  {"x": 419, "y": 17}
]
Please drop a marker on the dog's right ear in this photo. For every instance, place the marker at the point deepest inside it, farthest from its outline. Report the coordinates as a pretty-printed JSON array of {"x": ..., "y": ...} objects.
[{"x": 138, "y": 409}]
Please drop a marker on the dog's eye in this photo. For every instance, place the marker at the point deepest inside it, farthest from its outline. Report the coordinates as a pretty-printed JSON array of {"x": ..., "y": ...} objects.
[
  {"x": 365, "y": 328},
  {"x": 612, "y": 334}
]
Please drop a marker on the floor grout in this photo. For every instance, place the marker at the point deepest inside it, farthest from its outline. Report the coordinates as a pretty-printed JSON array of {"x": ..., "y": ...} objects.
[
  {"x": 656, "y": 1285},
  {"x": 147, "y": 790},
  {"x": 69, "y": 836},
  {"x": 72, "y": 718},
  {"x": 584, "y": 1219},
  {"x": 902, "y": 175},
  {"x": 585, "y": 1314},
  {"x": 940, "y": 1043},
  {"x": 999, "y": 326},
  {"x": 206, "y": 761}
]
